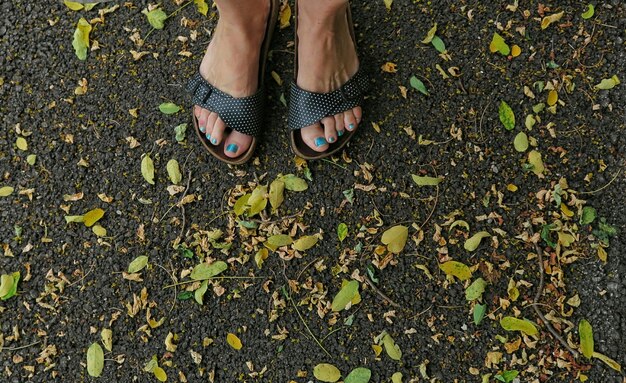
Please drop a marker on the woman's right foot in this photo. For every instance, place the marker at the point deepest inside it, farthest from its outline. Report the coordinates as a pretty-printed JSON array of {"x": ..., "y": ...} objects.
[
  {"x": 327, "y": 59},
  {"x": 231, "y": 64}
]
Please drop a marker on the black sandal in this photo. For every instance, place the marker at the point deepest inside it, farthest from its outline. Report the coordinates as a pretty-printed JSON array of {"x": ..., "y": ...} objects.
[
  {"x": 306, "y": 108},
  {"x": 245, "y": 114}
]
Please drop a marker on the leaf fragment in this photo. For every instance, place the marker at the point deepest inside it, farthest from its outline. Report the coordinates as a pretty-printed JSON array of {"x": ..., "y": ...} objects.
[
  {"x": 391, "y": 348},
  {"x": 95, "y": 360},
  {"x": 156, "y": 17},
  {"x": 359, "y": 375},
  {"x": 418, "y": 85},
  {"x": 206, "y": 271},
  {"x": 345, "y": 295},
  {"x": 479, "y": 313},
  {"x": 234, "y": 341},
  {"x": 426, "y": 181},
  {"x": 305, "y": 243},
  {"x": 585, "y": 332},
  {"x": 202, "y": 6},
  {"x": 280, "y": 240},
  {"x": 547, "y": 20},
  {"x": 342, "y": 231},
  {"x": 588, "y": 215},
  {"x": 107, "y": 338},
  {"x": 138, "y": 264},
  {"x": 609, "y": 362},
  {"x": 456, "y": 269},
  {"x": 589, "y": 12},
  {"x": 147, "y": 169},
  {"x": 521, "y": 142},
  {"x": 507, "y": 117},
  {"x": 430, "y": 34},
  {"x": 474, "y": 241},
  {"x": 294, "y": 183},
  {"x": 277, "y": 191},
  {"x": 81, "y": 38},
  {"x": 326, "y": 372},
  {"x": 160, "y": 374},
  {"x": 514, "y": 324},
  {"x": 6, "y": 191},
  {"x": 534, "y": 158},
  {"x": 475, "y": 290},
  {"x": 198, "y": 294},
  {"x": 21, "y": 144},
  {"x": 499, "y": 45},
  {"x": 608, "y": 83},
  {"x": 93, "y": 216}
]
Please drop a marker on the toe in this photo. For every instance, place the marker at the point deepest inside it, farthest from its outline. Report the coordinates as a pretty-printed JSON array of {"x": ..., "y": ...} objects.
[
  {"x": 349, "y": 120},
  {"x": 203, "y": 116},
  {"x": 313, "y": 136},
  {"x": 210, "y": 123},
  {"x": 236, "y": 144},
  {"x": 358, "y": 114},
  {"x": 339, "y": 124},
  {"x": 330, "y": 132},
  {"x": 218, "y": 131}
]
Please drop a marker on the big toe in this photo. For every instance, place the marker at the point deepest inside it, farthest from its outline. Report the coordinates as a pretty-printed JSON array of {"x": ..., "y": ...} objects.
[
  {"x": 236, "y": 144},
  {"x": 313, "y": 136}
]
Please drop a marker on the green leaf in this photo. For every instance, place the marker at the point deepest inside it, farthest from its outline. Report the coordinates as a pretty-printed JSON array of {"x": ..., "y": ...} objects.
[
  {"x": 345, "y": 295},
  {"x": 280, "y": 240},
  {"x": 21, "y": 144},
  {"x": 515, "y": 324},
  {"x": 138, "y": 264},
  {"x": 396, "y": 377},
  {"x": 608, "y": 83},
  {"x": 305, "y": 243},
  {"x": 426, "y": 181},
  {"x": 342, "y": 231},
  {"x": 180, "y": 130},
  {"x": 198, "y": 294},
  {"x": 395, "y": 238},
  {"x": 534, "y": 158},
  {"x": 202, "y": 6},
  {"x": 147, "y": 169},
  {"x": 95, "y": 360},
  {"x": 241, "y": 205},
  {"x": 81, "y": 39},
  {"x": 325, "y": 372},
  {"x": 507, "y": 117},
  {"x": 205, "y": 271},
  {"x": 585, "y": 332},
  {"x": 169, "y": 108},
  {"x": 474, "y": 241},
  {"x": 6, "y": 191},
  {"x": 151, "y": 365},
  {"x": 530, "y": 122},
  {"x": 257, "y": 200},
  {"x": 521, "y": 142},
  {"x": 475, "y": 290},
  {"x": 609, "y": 362},
  {"x": 6, "y": 284},
  {"x": 184, "y": 295},
  {"x": 456, "y": 269},
  {"x": 156, "y": 17},
  {"x": 499, "y": 45},
  {"x": 99, "y": 230},
  {"x": 589, "y": 12},
  {"x": 30, "y": 159},
  {"x": 479, "y": 313},
  {"x": 418, "y": 85},
  {"x": 92, "y": 216},
  {"x": 277, "y": 193},
  {"x": 74, "y": 218},
  {"x": 73, "y": 5},
  {"x": 507, "y": 376},
  {"x": 391, "y": 348},
  {"x": 13, "y": 287},
  {"x": 173, "y": 171},
  {"x": 439, "y": 45},
  {"x": 294, "y": 183},
  {"x": 160, "y": 374},
  {"x": 588, "y": 215},
  {"x": 359, "y": 375}
]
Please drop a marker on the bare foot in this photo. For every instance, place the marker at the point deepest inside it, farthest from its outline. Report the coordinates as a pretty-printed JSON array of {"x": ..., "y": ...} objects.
[
  {"x": 327, "y": 59},
  {"x": 231, "y": 64}
]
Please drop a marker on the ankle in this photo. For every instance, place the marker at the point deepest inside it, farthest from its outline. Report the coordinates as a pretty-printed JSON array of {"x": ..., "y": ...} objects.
[
  {"x": 244, "y": 16},
  {"x": 327, "y": 17}
]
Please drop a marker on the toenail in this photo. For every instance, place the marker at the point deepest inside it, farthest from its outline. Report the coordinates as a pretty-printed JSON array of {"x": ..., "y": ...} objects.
[
  {"x": 232, "y": 148},
  {"x": 208, "y": 136},
  {"x": 340, "y": 133},
  {"x": 320, "y": 141},
  {"x": 351, "y": 126},
  {"x": 331, "y": 139},
  {"x": 202, "y": 129},
  {"x": 214, "y": 141}
]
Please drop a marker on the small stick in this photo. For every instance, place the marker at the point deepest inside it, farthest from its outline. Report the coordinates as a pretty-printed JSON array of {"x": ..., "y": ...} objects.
[
  {"x": 19, "y": 348},
  {"x": 307, "y": 326},
  {"x": 380, "y": 293},
  {"x": 209, "y": 279}
]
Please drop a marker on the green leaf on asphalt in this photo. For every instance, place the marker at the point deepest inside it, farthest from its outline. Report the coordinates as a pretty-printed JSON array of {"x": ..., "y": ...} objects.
[
  {"x": 81, "y": 39},
  {"x": 585, "y": 332},
  {"x": 507, "y": 376},
  {"x": 73, "y": 5},
  {"x": 499, "y": 45},
  {"x": 342, "y": 231},
  {"x": 241, "y": 205},
  {"x": 92, "y": 216},
  {"x": 325, "y": 372},
  {"x": 507, "y": 117},
  {"x": 205, "y": 271},
  {"x": 474, "y": 241},
  {"x": 589, "y": 12},
  {"x": 151, "y": 365},
  {"x": 160, "y": 374},
  {"x": 456, "y": 269},
  {"x": 305, "y": 243},
  {"x": 169, "y": 108},
  {"x": 99, "y": 231},
  {"x": 521, "y": 142},
  {"x": 609, "y": 362},
  {"x": 475, "y": 290},
  {"x": 280, "y": 240},
  {"x": 156, "y": 17},
  {"x": 391, "y": 348},
  {"x": 515, "y": 324},
  {"x": 418, "y": 85},
  {"x": 277, "y": 193},
  {"x": 138, "y": 264},
  {"x": 345, "y": 295},
  {"x": 8, "y": 285},
  {"x": 479, "y": 313},
  {"x": 6, "y": 191},
  {"x": 173, "y": 171},
  {"x": 608, "y": 83},
  {"x": 202, "y": 6},
  {"x": 359, "y": 375},
  {"x": 30, "y": 159},
  {"x": 294, "y": 183},
  {"x": 74, "y": 218},
  {"x": 588, "y": 215},
  {"x": 257, "y": 200},
  {"x": 426, "y": 181},
  {"x": 180, "y": 130},
  {"x": 396, "y": 377},
  {"x": 21, "y": 143},
  {"x": 147, "y": 169},
  {"x": 198, "y": 294},
  {"x": 95, "y": 360},
  {"x": 439, "y": 45},
  {"x": 395, "y": 238}
]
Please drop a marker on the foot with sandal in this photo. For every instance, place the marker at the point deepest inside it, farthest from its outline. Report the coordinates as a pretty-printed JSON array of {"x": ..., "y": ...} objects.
[{"x": 326, "y": 95}]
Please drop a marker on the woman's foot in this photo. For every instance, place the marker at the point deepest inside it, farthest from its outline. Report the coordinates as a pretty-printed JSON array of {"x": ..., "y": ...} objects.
[
  {"x": 231, "y": 64},
  {"x": 327, "y": 59}
]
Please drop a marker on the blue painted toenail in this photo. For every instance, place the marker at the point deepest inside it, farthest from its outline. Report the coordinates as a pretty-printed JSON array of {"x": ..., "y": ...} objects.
[
  {"x": 331, "y": 139},
  {"x": 208, "y": 136},
  {"x": 202, "y": 129},
  {"x": 340, "y": 133},
  {"x": 214, "y": 141},
  {"x": 232, "y": 148},
  {"x": 351, "y": 127},
  {"x": 320, "y": 141}
]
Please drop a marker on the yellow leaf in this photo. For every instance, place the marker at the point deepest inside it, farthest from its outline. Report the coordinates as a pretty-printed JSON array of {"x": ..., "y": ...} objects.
[
  {"x": 377, "y": 349},
  {"x": 160, "y": 374},
  {"x": 430, "y": 35},
  {"x": 474, "y": 241},
  {"x": 610, "y": 362},
  {"x": 389, "y": 67},
  {"x": 602, "y": 254},
  {"x": 456, "y": 269},
  {"x": 566, "y": 210},
  {"x": 74, "y": 6},
  {"x": 515, "y": 324},
  {"x": 6, "y": 191},
  {"x": 545, "y": 23},
  {"x": 534, "y": 158},
  {"x": 92, "y": 217},
  {"x": 285, "y": 15},
  {"x": 511, "y": 188},
  {"x": 233, "y": 341},
  {"x": 99, "y": 231},
  {"x": 202, "y": 6},
  {"x": 553, "y": 97},
  {"x": 395, "y": 238},
  {"x": 515, "y": 50},
  {"x": 388, "y": 4},
  {"x": 305, "y": 243},
  {"x": 21, "y": 144}
]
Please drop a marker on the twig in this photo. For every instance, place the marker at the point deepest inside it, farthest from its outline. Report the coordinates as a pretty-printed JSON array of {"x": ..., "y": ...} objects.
[
  {"x": 380, "y": 293},
  {"x": 605, "y": 186},
  {"x": 305, "y": 324},
  {"x": 538, "y": 296},
  {"x": 208, "y": 279},
  {"x": 174, "y": 280},
  {"x": 306, "y": 267},
  {"x": 84, "y": 276},
  {"x": 19, "y": 348},
  {"x": 182, "y": 206},
  {"x": 279, "y": 219},
  {"x": 434, "y": 204},
  {"x": 332, "y": 163}
]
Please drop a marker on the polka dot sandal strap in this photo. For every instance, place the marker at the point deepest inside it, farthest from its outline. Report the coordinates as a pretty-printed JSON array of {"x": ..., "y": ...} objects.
[
  {"x": 244, "y": 115},
  {"x": 307, "y": 108}
]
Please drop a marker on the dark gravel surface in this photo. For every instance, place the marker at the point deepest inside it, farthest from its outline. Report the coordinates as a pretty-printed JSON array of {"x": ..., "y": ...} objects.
[{"x": 76, "y": 287}]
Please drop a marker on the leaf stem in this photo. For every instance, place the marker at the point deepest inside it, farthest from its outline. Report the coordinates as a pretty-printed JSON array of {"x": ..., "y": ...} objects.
[{"x": 209, "y": 279}]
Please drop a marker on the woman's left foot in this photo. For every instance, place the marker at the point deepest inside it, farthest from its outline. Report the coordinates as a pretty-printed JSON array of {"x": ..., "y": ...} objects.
[{"x": 327, "y": 59}]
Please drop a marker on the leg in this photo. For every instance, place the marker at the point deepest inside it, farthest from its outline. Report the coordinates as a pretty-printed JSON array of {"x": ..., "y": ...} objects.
[
  {"x": 231, "y": 63},
  {"x": 327, "y": 59}
]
